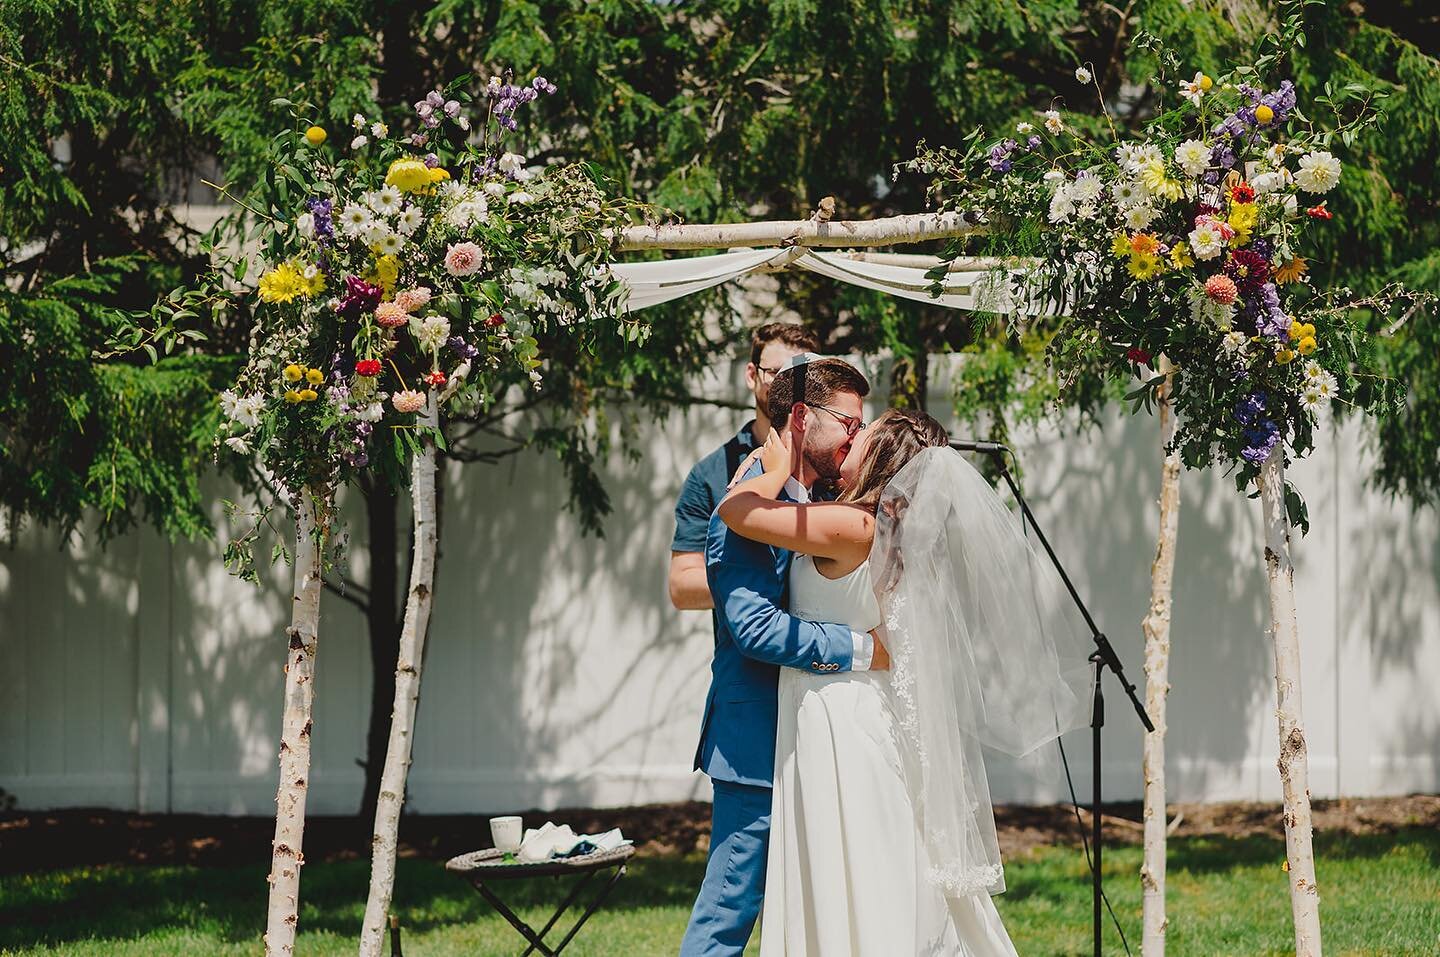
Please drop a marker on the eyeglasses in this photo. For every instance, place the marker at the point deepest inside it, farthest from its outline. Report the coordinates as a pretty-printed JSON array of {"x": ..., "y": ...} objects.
[
  {"x": 766, "y": 374},
  {"x": 851, "y": 423}
]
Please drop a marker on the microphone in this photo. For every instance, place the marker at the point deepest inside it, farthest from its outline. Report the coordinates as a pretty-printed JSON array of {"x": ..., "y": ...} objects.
[{"x": 990, "y": 448}]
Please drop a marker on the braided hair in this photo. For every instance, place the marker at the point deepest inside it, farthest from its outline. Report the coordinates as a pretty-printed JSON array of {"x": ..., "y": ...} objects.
[{"x": 896, "y": 437}]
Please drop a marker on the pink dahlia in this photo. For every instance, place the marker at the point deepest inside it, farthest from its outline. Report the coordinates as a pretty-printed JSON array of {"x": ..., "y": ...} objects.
[
  {"x": 408, "y": 401},
  {"x": 463, "y": 259},
  {"x": 410, "y": 300},
  {"x": 1222, "y": 289},
  {"x": 391, "y": 315}
]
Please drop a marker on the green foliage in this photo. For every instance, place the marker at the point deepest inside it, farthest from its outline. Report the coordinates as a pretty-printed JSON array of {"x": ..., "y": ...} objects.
[
  {"x": 121, "y": 441},
  {"x": 716, "y": 109}
]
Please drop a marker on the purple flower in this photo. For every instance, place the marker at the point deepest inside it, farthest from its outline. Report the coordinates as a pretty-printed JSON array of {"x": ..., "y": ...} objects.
[
  {"x": 452, "y": 108},
  {"x": 435, "y": 98},
  {"x": 431, "y": 160},
  {"x": 322, "y": 210},
  {"x": 462, "y": 348},
  {"x": 360, "y": 296},
  {"x": 1222, "y": 155},
  {"x": 1282, "y": 101},
  {"x": 418, "y": 140},
  {"x": 1248, "y": 409},
  {"x": 1032, "y": 143}
]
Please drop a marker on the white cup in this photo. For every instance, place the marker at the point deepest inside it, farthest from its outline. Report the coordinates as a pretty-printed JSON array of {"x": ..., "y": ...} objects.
[{"x": 506, "y": 833}]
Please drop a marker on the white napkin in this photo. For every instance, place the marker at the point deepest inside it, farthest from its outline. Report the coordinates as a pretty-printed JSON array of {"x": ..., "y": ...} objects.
[{"x": 556, "y": 840}]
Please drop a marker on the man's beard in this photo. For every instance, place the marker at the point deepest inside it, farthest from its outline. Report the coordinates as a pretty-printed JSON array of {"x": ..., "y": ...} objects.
[{"x": 822, "y": 464}]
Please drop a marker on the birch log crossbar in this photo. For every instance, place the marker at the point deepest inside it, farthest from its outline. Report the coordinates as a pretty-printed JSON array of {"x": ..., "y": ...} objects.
[{"x": 893, "y": 230}]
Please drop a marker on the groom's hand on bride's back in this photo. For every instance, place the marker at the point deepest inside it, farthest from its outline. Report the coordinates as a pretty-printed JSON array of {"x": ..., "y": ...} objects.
[{"x": 881, "y": 659}]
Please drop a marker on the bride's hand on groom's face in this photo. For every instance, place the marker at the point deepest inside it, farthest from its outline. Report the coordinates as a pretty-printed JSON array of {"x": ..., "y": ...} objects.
[{"x": 776, "y": 455}]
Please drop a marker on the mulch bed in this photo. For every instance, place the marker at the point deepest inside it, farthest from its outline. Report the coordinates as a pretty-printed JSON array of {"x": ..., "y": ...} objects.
[{"x": 43, "y": 840}]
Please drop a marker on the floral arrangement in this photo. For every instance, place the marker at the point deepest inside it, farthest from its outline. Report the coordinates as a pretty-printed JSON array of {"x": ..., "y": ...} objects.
[
  {"x": 1187, "y": 242},
  {"x": 410, "y": 273}
]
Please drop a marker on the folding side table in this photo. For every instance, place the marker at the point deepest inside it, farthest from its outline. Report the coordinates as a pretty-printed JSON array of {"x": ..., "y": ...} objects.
[{"x": 481, "y": 868}]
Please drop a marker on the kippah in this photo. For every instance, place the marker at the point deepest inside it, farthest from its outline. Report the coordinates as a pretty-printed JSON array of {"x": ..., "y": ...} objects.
[{"x": 804, "y": 358}]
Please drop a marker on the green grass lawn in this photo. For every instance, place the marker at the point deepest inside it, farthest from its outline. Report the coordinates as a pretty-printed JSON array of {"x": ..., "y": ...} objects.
[{"x": 1380, "y": 895}]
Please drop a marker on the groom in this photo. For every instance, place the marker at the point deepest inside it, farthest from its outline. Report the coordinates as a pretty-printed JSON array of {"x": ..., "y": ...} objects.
[{"x": 818, "y": 400}]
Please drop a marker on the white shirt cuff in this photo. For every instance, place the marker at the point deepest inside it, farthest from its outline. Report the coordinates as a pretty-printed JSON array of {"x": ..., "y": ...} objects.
[{"x": 864, "y": 651}]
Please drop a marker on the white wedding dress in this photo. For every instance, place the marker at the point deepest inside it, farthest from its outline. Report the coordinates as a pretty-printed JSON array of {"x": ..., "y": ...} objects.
[{"x": 846, "y": 873}]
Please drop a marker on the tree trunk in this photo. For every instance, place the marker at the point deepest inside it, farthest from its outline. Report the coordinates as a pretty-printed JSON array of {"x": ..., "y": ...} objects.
[
  {"x": 312, "y": 520},
  {"x": 407, "y": 692},
  {"x": 1293, "y": 763},
  {"x": 382, "y": 617},
  {"x": 1157, "y": 680}
]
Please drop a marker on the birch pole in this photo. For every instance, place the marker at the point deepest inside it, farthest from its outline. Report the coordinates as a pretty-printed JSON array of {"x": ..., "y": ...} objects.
[
  {"x": 814, "y": 232},
  {"x": 1293, "y": 763},
  {"x": 385, "y": 838},
  {"x": 1157, "y": 679},
  {"x": 312, "y": 520}
]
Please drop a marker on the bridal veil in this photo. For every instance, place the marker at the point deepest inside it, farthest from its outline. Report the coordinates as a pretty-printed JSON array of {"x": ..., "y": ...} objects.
[{"x": 986, "y": 647}]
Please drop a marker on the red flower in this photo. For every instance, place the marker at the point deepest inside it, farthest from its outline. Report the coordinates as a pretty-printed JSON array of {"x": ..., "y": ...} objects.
[
  {"x": 1205, "y": 209},
  {"x": 434, "y": 378},
  {"x": 495, "y": 320},
  {"x": 368, "y": 367},
  {"x": 1136, "y": 354},
  {"x": 1242, "y": 193},
  {"x": 1319, "y": 212}
]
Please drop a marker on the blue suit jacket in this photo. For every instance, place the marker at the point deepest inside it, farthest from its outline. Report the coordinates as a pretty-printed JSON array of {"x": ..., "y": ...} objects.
[{"x": 754, "y": 638}]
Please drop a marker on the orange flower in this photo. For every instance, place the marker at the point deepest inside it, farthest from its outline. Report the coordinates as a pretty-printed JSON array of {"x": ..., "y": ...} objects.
[
  {"x": 1142, "y": 244},
  {"x": 1291, "y": 271}
]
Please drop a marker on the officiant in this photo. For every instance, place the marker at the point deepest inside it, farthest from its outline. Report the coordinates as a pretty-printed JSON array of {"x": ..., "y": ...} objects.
[{"x": 770, "y": 347}]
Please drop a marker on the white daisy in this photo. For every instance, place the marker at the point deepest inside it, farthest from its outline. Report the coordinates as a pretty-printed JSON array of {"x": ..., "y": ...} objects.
[
  {"x": 1313, "y": 370},
  {"x": 358, "y": 122},
  {"x": 410, "y": 220},
  {"x": 1139, "y": 217},
  {"x": 1132, "y": 156},
  {"x": 1024, "y": 129},
  {"x": 355, "y": 220},
  {"x": 1318, "y": 173},
  {"x": 1326, "y": 385},
  {"x": 1126, "y": 194},
  {"x": 1052, "y": 122},
  {"x": 1082, "y": 75},
  {"x": 384, "y": 241},
  {"x": 379, "y": 130},
  {"x": 1194, "y": 89},
  {"x": 385, "y": 201},
  {"x": 1312, "y": 401}
]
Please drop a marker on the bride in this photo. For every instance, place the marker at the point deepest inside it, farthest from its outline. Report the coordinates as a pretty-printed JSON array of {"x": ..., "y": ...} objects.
[{"x": 882, "y": 837}]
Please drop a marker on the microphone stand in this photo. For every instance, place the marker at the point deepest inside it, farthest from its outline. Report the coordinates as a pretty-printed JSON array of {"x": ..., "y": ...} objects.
[{"x": 1103, "y": 657}]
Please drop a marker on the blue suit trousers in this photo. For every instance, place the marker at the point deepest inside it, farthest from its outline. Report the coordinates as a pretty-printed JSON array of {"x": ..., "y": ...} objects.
[{"x": 734, "y": 885}]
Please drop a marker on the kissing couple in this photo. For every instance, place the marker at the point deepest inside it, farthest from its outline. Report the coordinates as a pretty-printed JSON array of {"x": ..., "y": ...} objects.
[{"x": 867, "y": 647}]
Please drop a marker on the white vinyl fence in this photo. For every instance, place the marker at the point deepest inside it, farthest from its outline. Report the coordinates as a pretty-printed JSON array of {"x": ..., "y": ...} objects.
[{"x": 143, "y": 677}]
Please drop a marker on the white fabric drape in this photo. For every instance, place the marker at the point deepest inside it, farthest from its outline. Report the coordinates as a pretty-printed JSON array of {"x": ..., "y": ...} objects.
[{"x": 652, "y": 283}]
